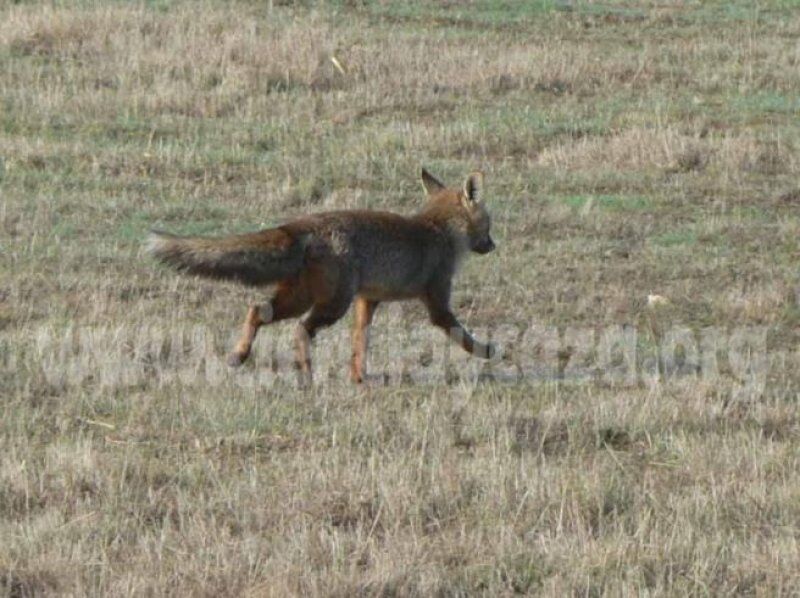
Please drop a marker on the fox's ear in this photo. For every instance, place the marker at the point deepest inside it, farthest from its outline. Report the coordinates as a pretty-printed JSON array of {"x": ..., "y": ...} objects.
[
  {"x": 473, "y": 187},
  {"x": 431, "y": 183}
]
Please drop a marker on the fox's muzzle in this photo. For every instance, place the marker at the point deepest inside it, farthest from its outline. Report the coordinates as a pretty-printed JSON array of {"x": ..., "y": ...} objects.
[{"x": 485, "y": 246}]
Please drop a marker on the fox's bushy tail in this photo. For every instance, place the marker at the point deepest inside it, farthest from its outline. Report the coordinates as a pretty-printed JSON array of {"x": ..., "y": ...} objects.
[{"x": 254, "y": 259}]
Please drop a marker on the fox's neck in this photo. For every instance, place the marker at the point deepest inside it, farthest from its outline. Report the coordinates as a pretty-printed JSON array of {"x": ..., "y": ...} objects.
[{"x": 450, "y": 225}]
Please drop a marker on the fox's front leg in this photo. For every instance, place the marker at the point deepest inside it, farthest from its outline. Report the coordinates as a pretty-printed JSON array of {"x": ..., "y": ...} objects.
[
  {"x": 442, "y": 317},
  {"x": 321, "y": 316},
  {"x": 364, "y": 310}
]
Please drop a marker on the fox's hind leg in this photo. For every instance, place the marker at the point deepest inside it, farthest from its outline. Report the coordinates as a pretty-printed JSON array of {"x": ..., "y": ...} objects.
[{"x": 292, "y": 299}]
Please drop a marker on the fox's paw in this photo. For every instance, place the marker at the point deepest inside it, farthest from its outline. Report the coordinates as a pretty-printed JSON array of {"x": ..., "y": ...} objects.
[{"x": 236, "y": 359}]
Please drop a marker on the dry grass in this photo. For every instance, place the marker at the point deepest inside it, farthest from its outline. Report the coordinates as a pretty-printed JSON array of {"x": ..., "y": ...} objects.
[{"x": 630, "y": 149}]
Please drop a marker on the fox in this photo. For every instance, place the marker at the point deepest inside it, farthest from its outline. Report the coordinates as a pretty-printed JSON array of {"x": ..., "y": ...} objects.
[{"x": 321, "y": 263}]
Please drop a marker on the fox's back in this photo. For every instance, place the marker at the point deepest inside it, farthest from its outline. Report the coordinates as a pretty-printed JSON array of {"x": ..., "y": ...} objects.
[{"x": 390, "y": 256}]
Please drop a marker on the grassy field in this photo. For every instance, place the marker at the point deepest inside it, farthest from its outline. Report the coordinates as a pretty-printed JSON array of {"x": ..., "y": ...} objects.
[{"x": 624, "y": 444}]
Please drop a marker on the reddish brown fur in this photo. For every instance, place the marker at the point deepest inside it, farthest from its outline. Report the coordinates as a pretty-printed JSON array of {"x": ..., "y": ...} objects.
[
  {"x": 255, "y": 258},
  {"x": 364, "y": 255}
]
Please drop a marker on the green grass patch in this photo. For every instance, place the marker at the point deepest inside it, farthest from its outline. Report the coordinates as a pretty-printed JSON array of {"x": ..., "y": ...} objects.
[
  {"x": 676, "y": 238},
  {"x": 765, "y": 103},
  {"x": 480, "y": 12},
  {"x": 610, "y": 203}
]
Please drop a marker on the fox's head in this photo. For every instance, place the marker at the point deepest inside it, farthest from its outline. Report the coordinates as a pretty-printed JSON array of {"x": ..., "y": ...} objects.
[{"x": 462, "y": 211}]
